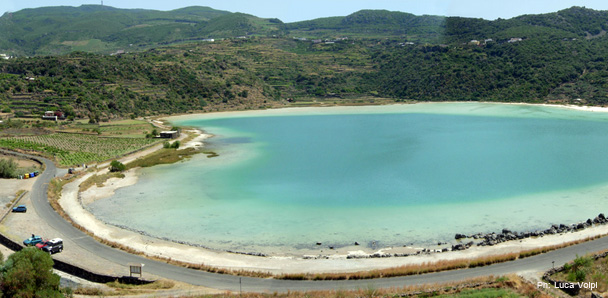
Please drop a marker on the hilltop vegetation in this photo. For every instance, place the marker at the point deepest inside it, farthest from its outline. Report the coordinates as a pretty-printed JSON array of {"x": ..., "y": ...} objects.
[
  {"x": 96, "y": 28},
  {"x": 557, "y": 57}
]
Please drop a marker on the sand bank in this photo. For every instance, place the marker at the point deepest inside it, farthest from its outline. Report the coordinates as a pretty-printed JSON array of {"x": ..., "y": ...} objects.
[{"x": 321, "y": 260}]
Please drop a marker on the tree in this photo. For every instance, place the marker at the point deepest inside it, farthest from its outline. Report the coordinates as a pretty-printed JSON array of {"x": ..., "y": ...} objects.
[
  {"x": 29, "y": 273},
  {"x": 7, "y": 168},
  {"x": 117, "y": 166}
]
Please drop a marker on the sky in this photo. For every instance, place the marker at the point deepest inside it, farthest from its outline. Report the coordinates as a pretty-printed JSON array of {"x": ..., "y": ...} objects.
[{"x": 292, "y": 11}]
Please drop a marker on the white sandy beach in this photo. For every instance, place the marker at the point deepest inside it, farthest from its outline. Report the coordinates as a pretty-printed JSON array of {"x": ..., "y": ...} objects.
[{"x": 319, "y": 260}]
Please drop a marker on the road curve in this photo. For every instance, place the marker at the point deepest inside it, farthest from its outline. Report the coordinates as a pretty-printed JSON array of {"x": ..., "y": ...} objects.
[{"x": 40, "y": 202}]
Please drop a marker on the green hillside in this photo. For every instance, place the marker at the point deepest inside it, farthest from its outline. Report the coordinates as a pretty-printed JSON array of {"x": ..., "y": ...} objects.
[
  {"x": 254, "y": 63},
  {"x": 103, "y": 29}
]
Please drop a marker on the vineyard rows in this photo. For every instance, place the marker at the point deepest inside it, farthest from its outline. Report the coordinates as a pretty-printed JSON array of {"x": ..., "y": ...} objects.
[{"x": 72, "y": 149}]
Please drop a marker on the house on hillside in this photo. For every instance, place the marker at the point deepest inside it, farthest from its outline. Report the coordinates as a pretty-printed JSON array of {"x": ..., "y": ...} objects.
[
  {"x": 53, "y": 115},
  {"x": 515, "y": 39}
]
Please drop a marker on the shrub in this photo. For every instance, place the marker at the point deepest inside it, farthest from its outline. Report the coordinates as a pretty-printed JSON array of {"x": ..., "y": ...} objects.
[
  {"x": 579, "y": 268},
  {"x": 117, "y": 166},
  {"x": 29, "y": 273},
  {"x": 7, "y": 168}
]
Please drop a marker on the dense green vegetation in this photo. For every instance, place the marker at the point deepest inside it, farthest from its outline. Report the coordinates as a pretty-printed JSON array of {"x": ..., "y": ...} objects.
[
  {"x": 96, "y": 28},
  {"x": 29, "y": 273},
  {"x": 8, "y": 168},
  {"x": 117, "y": 166},
  {"x": 374, "y": 55}
]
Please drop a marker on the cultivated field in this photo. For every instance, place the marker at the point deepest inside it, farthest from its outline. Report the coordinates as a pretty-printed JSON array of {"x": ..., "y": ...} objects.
[{"x": 85, "y": 143}]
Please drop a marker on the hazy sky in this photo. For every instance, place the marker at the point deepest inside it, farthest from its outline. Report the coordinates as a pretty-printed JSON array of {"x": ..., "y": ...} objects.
[{"x": 291, "y": 10}]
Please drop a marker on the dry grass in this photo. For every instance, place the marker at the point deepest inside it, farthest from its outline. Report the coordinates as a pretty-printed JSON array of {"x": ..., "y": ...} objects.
[
  {"x": 509, "y": 286},
  {"x": 544, "y": 249},
  {"x": 17, "y": 196},
  {"x": 413, "y": 269},
  {"x": 98, "y": 180}
]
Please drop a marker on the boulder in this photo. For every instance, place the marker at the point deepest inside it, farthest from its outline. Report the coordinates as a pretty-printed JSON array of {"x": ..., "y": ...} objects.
[{"x": 460, "y": 236}]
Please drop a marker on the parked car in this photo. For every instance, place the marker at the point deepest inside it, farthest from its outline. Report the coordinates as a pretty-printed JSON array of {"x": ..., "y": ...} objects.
[
  {"x": 42, "y": 244},
  {"x": 32, "y": 240},
  {"x": 20, "y": 208},
  {"x": 54, "y": 245}
]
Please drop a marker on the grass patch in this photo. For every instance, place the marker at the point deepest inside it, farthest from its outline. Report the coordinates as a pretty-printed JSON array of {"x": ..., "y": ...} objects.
[
  {"x": 484, "y": 293},
  {"x": 163, "y": 156},
  {"x": 99, "y": 180},
  {"x": 162, "y": 284}
]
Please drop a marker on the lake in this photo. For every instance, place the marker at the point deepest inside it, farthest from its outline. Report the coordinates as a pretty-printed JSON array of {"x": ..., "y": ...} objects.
[{"x": 388, "y": 175}]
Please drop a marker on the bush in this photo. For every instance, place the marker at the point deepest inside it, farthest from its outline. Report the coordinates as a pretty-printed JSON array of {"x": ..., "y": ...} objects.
[
  {"x": 8, "y": 167},
  {"x": 168, "y": 145},
  {"x": 579, "y": 268},
  {"x": 29, "y": 273},
  {"x": 117, "y": 166}
]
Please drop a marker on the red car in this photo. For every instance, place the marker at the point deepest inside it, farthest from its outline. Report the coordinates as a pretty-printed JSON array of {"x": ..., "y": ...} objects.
[{"x": 42, "y": 244}]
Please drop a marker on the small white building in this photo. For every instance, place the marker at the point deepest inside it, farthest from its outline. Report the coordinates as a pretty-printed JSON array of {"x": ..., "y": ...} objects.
[{"x": 515, "y": 39}]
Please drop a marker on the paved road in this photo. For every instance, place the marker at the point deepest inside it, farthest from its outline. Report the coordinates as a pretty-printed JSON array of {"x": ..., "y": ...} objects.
[{"x": 234, "y": 283}]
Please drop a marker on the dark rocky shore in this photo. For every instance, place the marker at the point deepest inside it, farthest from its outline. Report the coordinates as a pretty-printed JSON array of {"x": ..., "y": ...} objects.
[{"x": 491, "y": 239}]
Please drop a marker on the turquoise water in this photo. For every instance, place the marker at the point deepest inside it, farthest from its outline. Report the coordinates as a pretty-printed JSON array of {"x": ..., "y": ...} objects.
[{"x": 394, "y": 175}]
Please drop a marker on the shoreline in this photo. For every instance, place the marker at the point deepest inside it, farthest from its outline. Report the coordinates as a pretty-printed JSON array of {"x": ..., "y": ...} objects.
[
  {"x": 315, "y": 261},
  {"x": 317, "y": 110}
]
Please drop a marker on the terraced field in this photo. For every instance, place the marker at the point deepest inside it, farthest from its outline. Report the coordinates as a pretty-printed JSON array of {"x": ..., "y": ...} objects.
[{"x": 73, "y": 149}]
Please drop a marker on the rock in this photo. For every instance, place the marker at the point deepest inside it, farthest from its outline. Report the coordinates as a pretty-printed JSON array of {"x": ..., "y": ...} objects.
[
  {"x": 601, "y": 216},
  {"x": 458, "y": 247},
  {"x": 356, "y": 243},
  {"x": 460, "y": 236},
  {"x": 580, "y": 226},
  {"x": 506, "y": 231},
  {"x": 319, "y": 243},
  {"x": 589, "y": 221}
]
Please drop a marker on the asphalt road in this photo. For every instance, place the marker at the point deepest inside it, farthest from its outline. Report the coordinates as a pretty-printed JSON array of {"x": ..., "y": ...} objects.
[{"x": 540, "y": 262}]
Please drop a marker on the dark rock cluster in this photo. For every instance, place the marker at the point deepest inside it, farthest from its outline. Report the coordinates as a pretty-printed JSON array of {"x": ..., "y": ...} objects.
[{"x": 491, "y": 239}]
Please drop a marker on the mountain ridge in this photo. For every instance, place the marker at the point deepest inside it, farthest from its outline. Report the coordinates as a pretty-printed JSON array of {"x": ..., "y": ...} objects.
[{"x": 103, "y": 29}]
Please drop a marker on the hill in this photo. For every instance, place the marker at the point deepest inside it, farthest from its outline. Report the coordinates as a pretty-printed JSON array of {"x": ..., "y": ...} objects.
[
  {"x": 366, "y": 57},
  {"x": 103, "y": 29},
  {"x": 96, "y": 28}
]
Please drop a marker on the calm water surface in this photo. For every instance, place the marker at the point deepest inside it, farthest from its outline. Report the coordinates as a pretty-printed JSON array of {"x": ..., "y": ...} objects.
[{"x": 394, "y": 175}]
